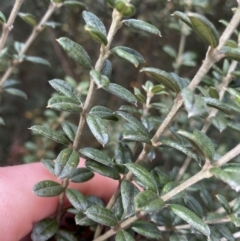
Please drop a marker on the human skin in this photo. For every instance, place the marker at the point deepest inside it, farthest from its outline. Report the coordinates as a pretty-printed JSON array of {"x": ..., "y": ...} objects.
[{"x": 20, "y": 208}]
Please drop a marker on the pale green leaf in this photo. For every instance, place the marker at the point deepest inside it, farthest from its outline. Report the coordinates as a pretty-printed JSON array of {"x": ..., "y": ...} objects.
[
  {"x": 98, "y": 128},
  {"x": 121, "y": 92},
  {"x": 16, "y": 92},
  {"x": 66, "y": 162},
  {"x": 47, "y": 132},
  {"x": 101, "y": 215},
  {"x": 96, "y": 155},
  {"x": 81, "y": 175},
  {"x": 148, "y": 201},
  {"x": 77, "y": 199},
  {"x": 191, "y": 218},
  {"x": 64, "y": 103},
  {"x": 143, "y": 175},
  {"x": 76, "y": 51},
  {"x": 123, "y": 235},
  {"x": 47, "y": 188},
  {"x": 44, "y": 230},
  {"x": 129, "y": 54},
  {"x": 103, "y": 170},
  {"x": 37, "y": 60},
  {"x": 204, "y": 28},
  {"x": 142, "y": 25},
  {"x": 146, "y": 229},
  {"x": 28, "y": 18}
]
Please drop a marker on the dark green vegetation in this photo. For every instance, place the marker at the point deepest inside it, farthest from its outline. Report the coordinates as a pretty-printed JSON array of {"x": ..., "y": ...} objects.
[{"x": 163, "y": 112}]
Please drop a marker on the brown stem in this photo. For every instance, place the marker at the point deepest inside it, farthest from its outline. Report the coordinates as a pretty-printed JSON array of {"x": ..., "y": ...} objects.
[
  {"x": 7, "y": 27},
  {"x": 116, "y": 17},
  {"x": 31, "y": 38}
]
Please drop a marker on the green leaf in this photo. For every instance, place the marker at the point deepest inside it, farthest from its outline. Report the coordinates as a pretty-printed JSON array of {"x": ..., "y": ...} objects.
[
  {"x": 66, "y": 162},
  {"x": 223, "y": 201},
  {"x": 139, "y": 95},
  {"x": 101, "y": 215},
  {"x": 204, "y": 28},
  {"x": 202, "y": 143},
  {"x": 128, "y": 192},
  {"x": 194, "y": 205},
  {"x": 217, "y": 104},
  {"x": 97, "y": 156},
  {"x": 98, "y": 128},
  {"x": 181, "y": 148},
  {"x": 77, "y": 199},
  {"x": 235, "y": 220},
  {"x": 102, "y": 169},
  {"x": 219, "y": 122},
  {"x": 142, "y": 25},
  {"x": 129, "y": 54},
  {"x": 191, "y": 218},
  {"x": 121, "y": 92},
  {"x": 10, "y": 82},
  {"x": 49, "y": 164},
  {"x": 70, "y": 129},
  {"x": 170, "y": 51},
  {"x": 183, "y": 17},
  {"x": 51, "y": 24},
  {"x": 117, "y": 208},
  {"x": 82, "y": 220},
  {"x": 28, "y": 18},
  {"x": 2, "y": 121},
  {"x": 122, "y": 155},
  {"x": 100, "y": 80},
  {"x": 231, "y": 53},
  {"x": 64, "y": 103},
  {"x": 148, "y": 201},
  {"x": 96, "y": 35},
  {"x": 16, "y": 92},
  {"x": 93, "y": 21},
  {"x": 47, "y": 132},
  {"x": 143, "y": 175},
  {"x": 130, "y": 135},
  {"x": 157, "y": 89},
  {"x": 213, "y": 93},
  {"x": 2, "y": 18},
  {"x": 231, "y": 178},
  {"x": 63, "y": 235},
  {"x": 37, "y": 60},
  {"x": 66, "y": 89},
  {"x": 103, "y": 112},
  {"x": 44, "y": 229},
  {"x": 126, "y": 9},
  {"x": 236, "y": 205},
  {"x": 194, "y": 104},
  {"x": 234, "y": 93},
  {"x": 47, "y": 188},
  {"x": 124, "y": 236},
  {"x": 73, "y": 3},
  {"x": 107, "y": 68},
  {"x": 169, "y": 80},
  {"x": 76, "y": 52},
  {"x": 81, "y": 175},
  {"x": 132, "y": 120},
  {"x": 146, "y": 229}
]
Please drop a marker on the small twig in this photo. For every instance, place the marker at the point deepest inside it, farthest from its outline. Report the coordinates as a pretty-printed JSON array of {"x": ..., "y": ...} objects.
[
  {"x": 7, "y": 27},
  {"x": 187, "y": 226},
  {"x": 31, "y": 38},
  {"x": 116, "y": 16}
]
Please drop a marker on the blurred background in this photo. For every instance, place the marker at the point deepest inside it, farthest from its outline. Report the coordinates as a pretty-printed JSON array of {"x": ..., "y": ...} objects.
[{"x": 17, "y": 144}]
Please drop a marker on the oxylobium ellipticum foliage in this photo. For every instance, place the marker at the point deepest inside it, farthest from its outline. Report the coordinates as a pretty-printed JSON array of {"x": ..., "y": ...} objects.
[{"x": 149, "y": 203}]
